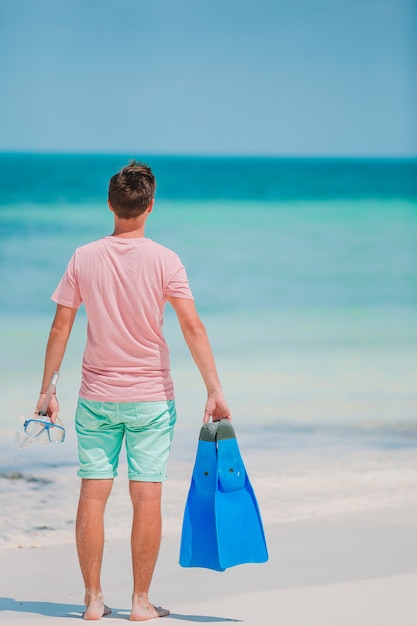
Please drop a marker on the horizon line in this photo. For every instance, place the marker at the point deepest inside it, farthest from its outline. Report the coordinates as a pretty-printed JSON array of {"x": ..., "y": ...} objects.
[{"x": 391, "y": 157}]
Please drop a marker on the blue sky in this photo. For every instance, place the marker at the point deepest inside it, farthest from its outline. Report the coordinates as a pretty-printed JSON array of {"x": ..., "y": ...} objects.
[{"x": 264, "y": 77}]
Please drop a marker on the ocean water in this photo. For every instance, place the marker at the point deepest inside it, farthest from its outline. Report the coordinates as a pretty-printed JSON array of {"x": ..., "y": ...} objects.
[{"x": 304, "y": 273}]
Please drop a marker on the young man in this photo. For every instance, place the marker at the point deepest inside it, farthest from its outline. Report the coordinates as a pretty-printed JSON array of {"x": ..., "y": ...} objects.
[{"x": 124, "y": 281}]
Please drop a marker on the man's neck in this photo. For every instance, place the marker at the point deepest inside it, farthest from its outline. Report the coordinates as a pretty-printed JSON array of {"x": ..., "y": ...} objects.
[{"x": 129, "y": 229}]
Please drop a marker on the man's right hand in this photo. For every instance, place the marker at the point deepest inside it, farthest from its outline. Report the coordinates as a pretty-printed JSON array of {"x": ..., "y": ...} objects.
[{"x": 53, "y": 407}]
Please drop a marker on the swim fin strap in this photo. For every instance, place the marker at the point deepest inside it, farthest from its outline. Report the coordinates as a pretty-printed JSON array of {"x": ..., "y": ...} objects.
[{"x": 227, "y": 529}]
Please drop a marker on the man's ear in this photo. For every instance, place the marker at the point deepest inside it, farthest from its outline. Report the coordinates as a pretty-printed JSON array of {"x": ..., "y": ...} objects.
[
  {"x": 110, "y": 206},
  {"x": 150, "y": 207}
]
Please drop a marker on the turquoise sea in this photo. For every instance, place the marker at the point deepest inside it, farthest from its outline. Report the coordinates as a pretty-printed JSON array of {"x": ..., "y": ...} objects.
[{"x": 304, "y": 272}]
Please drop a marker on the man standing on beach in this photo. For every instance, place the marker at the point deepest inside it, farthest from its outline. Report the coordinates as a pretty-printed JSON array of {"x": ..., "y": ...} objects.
[{"x": 124, "y": 281}]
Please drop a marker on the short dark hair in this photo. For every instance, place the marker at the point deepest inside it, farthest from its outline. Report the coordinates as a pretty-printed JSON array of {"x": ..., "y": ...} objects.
[{"x": 131, "y": 190}]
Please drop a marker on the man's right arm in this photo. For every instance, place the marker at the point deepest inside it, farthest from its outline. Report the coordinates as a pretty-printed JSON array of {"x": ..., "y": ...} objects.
[
  {"x": 55, "y": 350},
  {"x": 196, "y": 338}
]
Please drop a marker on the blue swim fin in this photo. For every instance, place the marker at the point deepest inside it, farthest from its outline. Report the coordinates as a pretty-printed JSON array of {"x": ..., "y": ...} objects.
[
  {"x": 199, "y": 535},
  {"x": 240, "y": 533}
]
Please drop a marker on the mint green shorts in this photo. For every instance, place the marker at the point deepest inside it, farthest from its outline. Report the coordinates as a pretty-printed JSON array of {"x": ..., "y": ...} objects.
[{"x": 147, "y": 427}]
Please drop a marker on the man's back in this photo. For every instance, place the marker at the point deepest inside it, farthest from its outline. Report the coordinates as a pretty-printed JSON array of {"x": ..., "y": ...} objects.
[{"x": 124, "y": 284}]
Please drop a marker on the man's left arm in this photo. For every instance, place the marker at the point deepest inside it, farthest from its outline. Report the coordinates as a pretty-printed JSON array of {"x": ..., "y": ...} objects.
[{"x": 196, "y": 338}]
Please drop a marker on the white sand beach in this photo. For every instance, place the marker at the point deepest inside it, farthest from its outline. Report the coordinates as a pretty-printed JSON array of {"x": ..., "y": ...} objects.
[
  {"x": 353, "y": 569},
  {"x": 344, "y": 565}
]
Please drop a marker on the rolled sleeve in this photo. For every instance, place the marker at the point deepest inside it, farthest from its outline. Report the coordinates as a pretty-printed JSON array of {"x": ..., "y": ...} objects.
[
  {"x": 177, "y": 286},
  {"x": 67, "y": 292}
]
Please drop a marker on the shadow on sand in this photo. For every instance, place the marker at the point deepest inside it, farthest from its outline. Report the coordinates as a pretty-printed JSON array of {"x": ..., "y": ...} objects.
[
  {"x": 55, "y": 609},
  {"x": 50, "y": 609},
  {"x": 201, "y": 618}
]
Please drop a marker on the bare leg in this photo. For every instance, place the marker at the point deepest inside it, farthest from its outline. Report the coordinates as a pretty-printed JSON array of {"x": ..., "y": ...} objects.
[
  {"x": 90, "y": 542},
  {"x": 146, "y": 539}
]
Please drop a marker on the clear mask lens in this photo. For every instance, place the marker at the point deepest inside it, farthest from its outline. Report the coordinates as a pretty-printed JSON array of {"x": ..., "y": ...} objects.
[
  {"x": 56, "y": 434},
  {"x": 34, "y": 428}
]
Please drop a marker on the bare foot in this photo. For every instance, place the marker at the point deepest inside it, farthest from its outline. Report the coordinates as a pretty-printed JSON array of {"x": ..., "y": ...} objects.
[
  {"x": 143, "y": 610},
  {"x": 94, "y": 606}
]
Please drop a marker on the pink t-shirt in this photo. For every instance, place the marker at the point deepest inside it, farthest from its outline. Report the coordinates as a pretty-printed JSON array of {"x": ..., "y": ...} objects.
[{"x": 124, "y": 284}]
